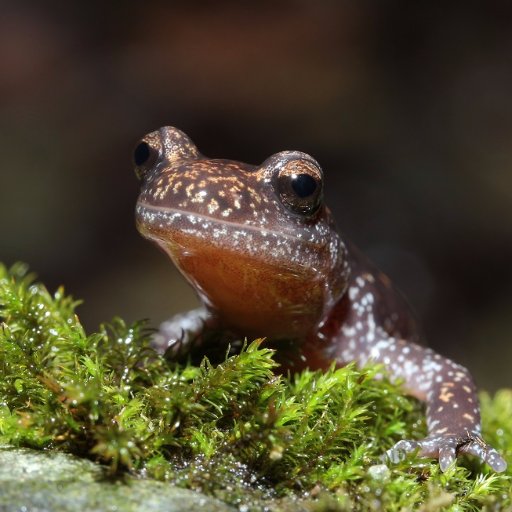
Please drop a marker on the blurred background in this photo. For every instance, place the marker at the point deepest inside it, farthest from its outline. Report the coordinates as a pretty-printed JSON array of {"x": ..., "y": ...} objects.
[{"x": 406, "y": 105}]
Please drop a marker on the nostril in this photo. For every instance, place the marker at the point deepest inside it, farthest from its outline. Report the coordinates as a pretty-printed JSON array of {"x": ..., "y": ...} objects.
[{"x": 141, "y": 154}]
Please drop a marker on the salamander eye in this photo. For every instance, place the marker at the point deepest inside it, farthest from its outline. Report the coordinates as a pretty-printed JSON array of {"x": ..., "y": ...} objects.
[
  {"x": 145, "y": 157},
  {"x": 167, "y": 144},
  {"x": 299, "y": 184},
  {"x": 303, "y": 185},
  {"x": 141, "y": 154}
]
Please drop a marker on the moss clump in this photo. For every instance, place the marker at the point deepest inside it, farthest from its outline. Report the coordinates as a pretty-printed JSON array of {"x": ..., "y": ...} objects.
[{"x": 236, "y": 430}]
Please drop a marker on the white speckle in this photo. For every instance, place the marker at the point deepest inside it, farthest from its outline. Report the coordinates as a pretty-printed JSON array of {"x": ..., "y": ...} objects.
[
  {"x": 352, "y": 292},
  {"x": 348, "y": 331}
]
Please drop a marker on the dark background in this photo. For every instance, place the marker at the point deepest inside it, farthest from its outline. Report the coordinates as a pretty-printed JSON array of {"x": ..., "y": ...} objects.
[{"x": 407, "y": 106}]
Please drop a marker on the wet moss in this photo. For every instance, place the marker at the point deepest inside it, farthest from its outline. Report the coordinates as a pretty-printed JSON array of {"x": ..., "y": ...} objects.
[{"x": 236, "y": 430}]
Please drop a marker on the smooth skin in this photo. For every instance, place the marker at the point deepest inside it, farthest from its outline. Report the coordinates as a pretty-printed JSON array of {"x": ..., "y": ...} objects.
[{"x": 264, "y": 255}]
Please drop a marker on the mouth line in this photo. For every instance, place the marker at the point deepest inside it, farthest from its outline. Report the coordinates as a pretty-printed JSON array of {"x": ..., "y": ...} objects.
[{"x": 222, "y": 222}]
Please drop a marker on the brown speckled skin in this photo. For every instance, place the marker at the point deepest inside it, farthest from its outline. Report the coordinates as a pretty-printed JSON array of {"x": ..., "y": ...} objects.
[{"x": 267, "y": 260}]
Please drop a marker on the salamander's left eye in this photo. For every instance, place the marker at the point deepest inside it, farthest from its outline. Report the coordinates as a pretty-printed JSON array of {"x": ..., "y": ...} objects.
[{"x": 299, "y": 184}]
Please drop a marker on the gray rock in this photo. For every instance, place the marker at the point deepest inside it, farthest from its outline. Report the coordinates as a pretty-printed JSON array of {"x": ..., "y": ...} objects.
[{"x": 34, "y": 481}]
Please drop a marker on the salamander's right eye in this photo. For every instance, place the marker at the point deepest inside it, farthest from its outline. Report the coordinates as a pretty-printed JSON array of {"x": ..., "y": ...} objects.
[{"x": 145, "y": 156}]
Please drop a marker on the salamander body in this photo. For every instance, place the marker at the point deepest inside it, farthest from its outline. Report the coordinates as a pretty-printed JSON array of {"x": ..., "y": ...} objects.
[{"x": 263, "y": 253}]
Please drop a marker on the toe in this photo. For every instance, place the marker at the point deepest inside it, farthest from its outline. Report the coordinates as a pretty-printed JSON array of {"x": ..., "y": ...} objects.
[
  {"x": 447, "y": 455},
  {"x": 486, "y": 454},
  {"x": 496, "y": 461},
  {"x": 400, "y": 450}
]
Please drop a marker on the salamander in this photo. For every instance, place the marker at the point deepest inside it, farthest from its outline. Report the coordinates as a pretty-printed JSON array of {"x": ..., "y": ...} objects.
[{"x": 263, "y": 253}]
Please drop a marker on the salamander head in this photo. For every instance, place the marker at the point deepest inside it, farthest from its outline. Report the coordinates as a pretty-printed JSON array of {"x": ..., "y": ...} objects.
[{"x": 256, "y": 242}]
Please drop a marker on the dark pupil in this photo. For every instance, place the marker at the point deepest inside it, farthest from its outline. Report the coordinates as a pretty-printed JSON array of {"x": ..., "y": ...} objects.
[
  {"x": 303, "y": 185},
  {"x": 141, "y": 153}
]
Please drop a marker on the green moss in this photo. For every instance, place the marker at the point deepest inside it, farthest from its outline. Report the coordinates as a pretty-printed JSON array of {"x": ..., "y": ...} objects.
[{"x": 237, "y": 430}]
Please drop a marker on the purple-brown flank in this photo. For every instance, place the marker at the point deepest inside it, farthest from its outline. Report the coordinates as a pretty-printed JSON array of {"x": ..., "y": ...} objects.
[{"x": 263, "y": 253}]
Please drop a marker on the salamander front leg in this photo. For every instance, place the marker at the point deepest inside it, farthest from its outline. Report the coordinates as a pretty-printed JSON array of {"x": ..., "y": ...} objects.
[
  {"x": 179, "y": 333},
  {"x": 453, "y": 413}
]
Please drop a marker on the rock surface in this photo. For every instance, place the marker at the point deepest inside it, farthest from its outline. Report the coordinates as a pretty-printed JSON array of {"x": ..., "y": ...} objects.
[{"x": 35, "y": 481}]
